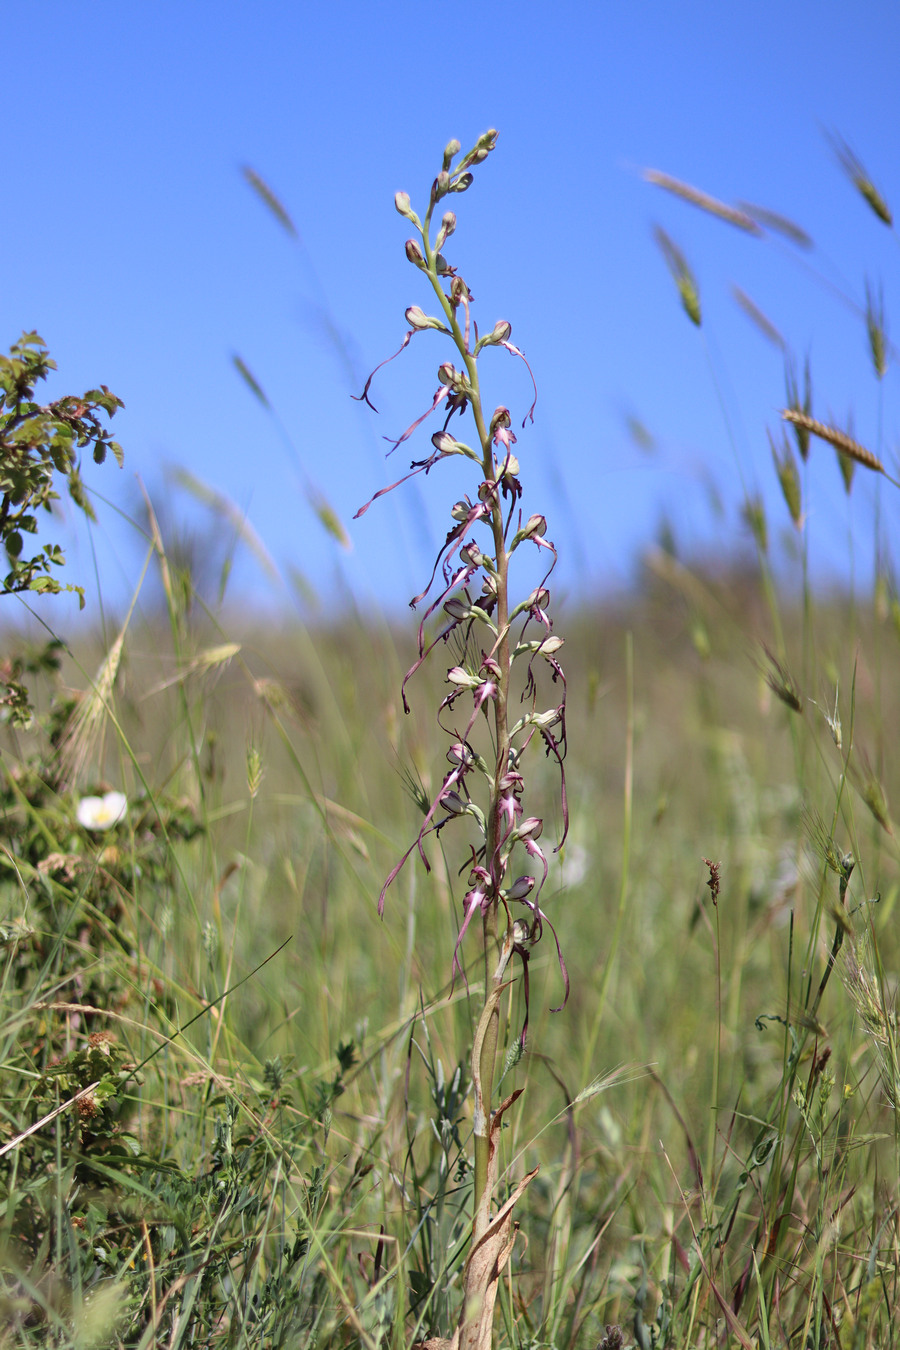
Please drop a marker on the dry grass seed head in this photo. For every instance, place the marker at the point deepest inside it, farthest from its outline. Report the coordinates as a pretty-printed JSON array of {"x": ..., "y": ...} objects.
[
  {"x": 753, "y": 514},
  {"x": 870, "y": 789},
  {"x": 758, "y": 318},
  {"x": 848, "y": 469},
  {"x": 703, "y": 200},
  {"x": 833, "y": 720},
  {"x": 823, "y": 846},
  {"x": 792, "y": 389},
  {"x": 682, "y": 274},
  {"x": 781, "y": 682},
  {"x": 876, "y": 329},
  {"x": 855, "y": 171},
  {"x": 839, "y": 439},
  {"x": 83, "y": 738},
  {"x": 877, "y": 1014},
  {"x": 788, "y": 477},
  {"x": 777, "y": 223}
]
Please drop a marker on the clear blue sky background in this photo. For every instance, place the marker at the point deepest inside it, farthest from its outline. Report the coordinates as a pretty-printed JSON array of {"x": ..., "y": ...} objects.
[{"x": 133, "y": 245}]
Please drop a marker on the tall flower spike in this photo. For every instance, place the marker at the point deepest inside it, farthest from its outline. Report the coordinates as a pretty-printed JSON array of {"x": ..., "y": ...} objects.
[{"x": 491, "y": 721}]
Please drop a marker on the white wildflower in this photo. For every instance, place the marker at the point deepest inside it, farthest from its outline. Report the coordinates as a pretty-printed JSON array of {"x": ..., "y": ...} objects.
[{"x": 99, "y": 813}]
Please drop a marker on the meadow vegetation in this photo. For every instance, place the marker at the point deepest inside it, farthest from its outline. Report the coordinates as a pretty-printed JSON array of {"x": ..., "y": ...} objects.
[{"x": 236, "y": 1104}]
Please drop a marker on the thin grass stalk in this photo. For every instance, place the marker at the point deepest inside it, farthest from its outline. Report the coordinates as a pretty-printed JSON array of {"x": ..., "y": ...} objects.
[{"x": 611, "y": 962}]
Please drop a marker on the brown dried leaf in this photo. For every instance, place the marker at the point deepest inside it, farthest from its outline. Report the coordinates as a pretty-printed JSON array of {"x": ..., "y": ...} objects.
[{"x": 490, "y": 1251}]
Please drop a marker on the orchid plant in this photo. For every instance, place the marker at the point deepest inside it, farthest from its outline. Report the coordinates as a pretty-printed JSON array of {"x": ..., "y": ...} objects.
[{"x": 493, "y": 714}]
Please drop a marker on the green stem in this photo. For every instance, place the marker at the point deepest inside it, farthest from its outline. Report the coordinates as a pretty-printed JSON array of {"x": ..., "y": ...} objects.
[{"x": 486, "y": 1051}]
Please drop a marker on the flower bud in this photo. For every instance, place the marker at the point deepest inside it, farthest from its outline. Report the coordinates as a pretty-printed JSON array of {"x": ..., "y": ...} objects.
[
  {"x": 456, "y": 675},
  {"x": 501, "y": 332},
  {"x": 448, "y": 225},
  {"x": 447, "y": 444},
  {"x": 454, "y": 803},
  {"x": 488, "y": 139},
  {"x": 460, "y": 184},
  {"x": 417, "y": 319},
  {"x": 401, "y": 204},
  {"x": 451, "y": 150},
  {"x": 414, "y": 253}
]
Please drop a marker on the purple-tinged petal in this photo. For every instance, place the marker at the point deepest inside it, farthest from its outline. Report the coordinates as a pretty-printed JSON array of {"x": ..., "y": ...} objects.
[
  {"x": 364, "y": 396},
  {"x": 439, "y": 396},
  {"x": 521, "y": 355},
  {"x": 382, "y": 492},
  {"x": 562, "y": 967},
  {"x": 474, "y": 900},
  {"x": 394, "y": 873}
]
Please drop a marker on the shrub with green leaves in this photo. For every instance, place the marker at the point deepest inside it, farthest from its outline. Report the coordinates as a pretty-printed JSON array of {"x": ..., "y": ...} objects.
[{"x": 39, "y": 444}]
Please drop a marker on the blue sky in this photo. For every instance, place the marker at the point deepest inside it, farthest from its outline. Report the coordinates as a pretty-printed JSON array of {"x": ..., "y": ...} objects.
[{"x": 135, "y": 247}]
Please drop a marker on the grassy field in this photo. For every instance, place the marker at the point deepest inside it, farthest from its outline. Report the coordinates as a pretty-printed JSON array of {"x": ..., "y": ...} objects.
[{"x": 717, "y": 1144}]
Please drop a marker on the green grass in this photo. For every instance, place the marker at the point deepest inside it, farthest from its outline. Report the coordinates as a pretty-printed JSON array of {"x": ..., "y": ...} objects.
[{"x": 288, "y": 1166}]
